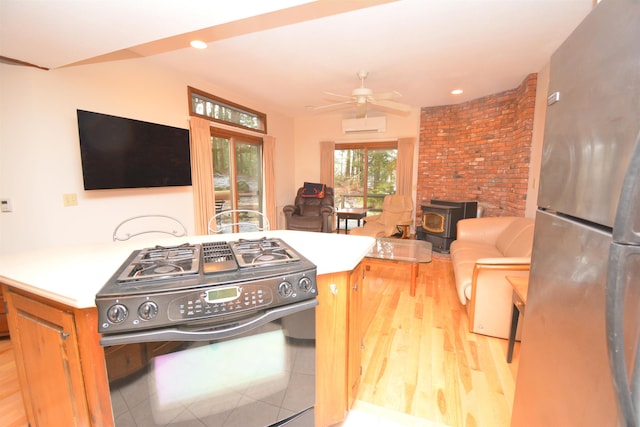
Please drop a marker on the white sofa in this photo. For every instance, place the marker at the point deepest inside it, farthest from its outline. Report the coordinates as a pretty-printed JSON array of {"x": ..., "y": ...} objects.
[{"x": 485, "y": 252}]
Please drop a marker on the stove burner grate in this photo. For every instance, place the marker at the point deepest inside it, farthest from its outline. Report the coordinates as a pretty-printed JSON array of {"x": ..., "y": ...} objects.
[
  {"x": 175, "y": 254},
  {"x": 261, "y": 245},
  {"x": 155, "y": 269},
  {"x": 162, "y": 262},
  {"x": 262, "y": 252}
]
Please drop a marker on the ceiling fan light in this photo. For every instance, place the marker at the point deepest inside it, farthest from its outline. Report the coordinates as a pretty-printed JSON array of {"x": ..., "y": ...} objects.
[
  {"x": 361, "y": 92},
  {"x": 456, "y": 92}
]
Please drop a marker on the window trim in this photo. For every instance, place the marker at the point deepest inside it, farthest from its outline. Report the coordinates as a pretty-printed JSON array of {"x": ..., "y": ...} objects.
[
  {"x": 216, "y": 99},
  {"x": 228, "y": 133},
  {"x": 368, "y": 145}
]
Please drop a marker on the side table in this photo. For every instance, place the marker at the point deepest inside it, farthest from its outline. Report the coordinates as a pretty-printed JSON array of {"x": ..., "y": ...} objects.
[
  {"x": 520, "y": 286},
  {"x": 404, "y": 228},
  {"x": 347, "y": 214}
]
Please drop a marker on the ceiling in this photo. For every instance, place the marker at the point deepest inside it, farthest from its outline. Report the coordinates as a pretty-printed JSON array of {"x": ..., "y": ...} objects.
[{"x": 289, "y": 52}]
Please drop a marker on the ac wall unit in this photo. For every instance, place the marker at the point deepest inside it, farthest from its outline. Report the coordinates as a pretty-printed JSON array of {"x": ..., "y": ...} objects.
[{"x": 365, "y": 124}]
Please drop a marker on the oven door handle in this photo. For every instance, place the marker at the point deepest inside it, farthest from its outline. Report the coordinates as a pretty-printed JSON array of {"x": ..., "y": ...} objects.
[{"x": 208, "y": 332}]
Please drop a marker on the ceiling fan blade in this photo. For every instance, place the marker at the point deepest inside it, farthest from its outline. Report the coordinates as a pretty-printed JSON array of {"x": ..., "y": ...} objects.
[
  {"x": 332, "y": 106},
  {"x": 363, "y": 98},
  {"x": 387, "y": 95},
  {"x": 337, "y": 95},
  {"x": 392, "y": 105}
]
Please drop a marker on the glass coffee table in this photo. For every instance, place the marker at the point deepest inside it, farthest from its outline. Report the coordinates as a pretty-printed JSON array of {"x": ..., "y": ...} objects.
[{"x": 414, "y": 252}]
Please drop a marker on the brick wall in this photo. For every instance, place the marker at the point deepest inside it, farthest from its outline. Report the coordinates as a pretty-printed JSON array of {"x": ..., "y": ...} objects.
[{"x": 479, "y": 150}]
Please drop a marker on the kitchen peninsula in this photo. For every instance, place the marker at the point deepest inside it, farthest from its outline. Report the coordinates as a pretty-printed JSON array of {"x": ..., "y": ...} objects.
[{"x": 53, "y": 322}]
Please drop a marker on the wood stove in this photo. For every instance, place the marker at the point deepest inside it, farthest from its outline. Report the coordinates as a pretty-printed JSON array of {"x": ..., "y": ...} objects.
[{"x": 439, "y": 221}]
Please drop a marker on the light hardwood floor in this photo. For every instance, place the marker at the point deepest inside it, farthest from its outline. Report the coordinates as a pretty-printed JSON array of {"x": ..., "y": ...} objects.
[
  {"x": 11, "y": 407},
  {"x": 418, "y": 357}
]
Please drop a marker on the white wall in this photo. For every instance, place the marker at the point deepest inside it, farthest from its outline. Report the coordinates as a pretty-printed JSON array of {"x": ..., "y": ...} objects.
[
  {"x": 40, "y": 157},
  {"x": 310, "y": 131}
]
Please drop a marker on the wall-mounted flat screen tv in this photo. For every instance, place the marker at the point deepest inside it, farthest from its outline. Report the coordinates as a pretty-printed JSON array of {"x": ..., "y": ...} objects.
[{"x": 124, "y": 153}]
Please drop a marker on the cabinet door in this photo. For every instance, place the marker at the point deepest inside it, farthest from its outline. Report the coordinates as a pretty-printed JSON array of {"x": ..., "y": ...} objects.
[
  {"x": 355, "y": 335},
  {"x": 4, "y": 327},
  {"x": 331, "y": 348},
  {"x": 48, "y": 361}
]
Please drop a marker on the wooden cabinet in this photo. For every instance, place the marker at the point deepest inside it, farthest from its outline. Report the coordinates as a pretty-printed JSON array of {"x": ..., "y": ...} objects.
[
  {"x": 60, "y": 362},
  {"x": 355, "y": 338},
  {"x": 338, "y": 345},
  {"x": 331, "y": 348},
  {"x": 4, "y": 326}
]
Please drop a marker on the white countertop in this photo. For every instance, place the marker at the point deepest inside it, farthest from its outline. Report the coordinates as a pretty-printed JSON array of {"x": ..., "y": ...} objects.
[{"x": 73, "y": 275}]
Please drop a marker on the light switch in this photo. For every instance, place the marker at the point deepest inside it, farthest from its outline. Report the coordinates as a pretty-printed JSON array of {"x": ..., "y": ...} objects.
[
  {"x": 70, "y": 199},
  {"x": 5, "y": 205}
]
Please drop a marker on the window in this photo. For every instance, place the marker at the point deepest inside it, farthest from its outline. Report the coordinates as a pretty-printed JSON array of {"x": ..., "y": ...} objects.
[
  {"x": 228, "y": 165},
  {"x": 237, "y": 170},
  {"x": 364, "y": 174},
  {"x": 216, "y": 109}
]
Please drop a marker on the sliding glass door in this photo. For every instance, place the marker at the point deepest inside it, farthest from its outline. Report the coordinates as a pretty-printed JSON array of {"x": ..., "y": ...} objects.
[
  {"x": 364, "y": 174},
  {"x": 237, "y": 171}
]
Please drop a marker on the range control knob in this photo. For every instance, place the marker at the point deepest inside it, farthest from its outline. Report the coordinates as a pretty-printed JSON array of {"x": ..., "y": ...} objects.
[
  {"x": 148, "y": 310},
  {"x": 285, "y": 289},
  {"x": 117, "y": 313},
  {"x": 305, "y": 284}
]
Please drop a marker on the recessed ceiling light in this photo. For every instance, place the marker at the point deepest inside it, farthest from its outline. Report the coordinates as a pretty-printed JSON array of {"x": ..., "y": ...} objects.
[
  {"x": 198, "y": 44},
  {"x": 456, "y": 92}
]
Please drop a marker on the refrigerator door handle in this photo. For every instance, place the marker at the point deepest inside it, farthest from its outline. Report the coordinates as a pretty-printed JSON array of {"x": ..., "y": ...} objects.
[
  {"x": 627, "y": 227},
  {"x": 615, "y": 305}
]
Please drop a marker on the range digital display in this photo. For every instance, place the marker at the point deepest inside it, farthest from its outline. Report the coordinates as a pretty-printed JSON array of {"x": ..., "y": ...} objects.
[{"x": 223, "y": 294}]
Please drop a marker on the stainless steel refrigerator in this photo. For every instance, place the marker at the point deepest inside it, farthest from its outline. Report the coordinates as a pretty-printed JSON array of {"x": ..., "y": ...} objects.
[{"x": 581, "y": 327}]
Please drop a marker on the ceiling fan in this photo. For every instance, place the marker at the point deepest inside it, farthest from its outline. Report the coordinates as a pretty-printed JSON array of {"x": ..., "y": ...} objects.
[{"x": 362, "y": 98}]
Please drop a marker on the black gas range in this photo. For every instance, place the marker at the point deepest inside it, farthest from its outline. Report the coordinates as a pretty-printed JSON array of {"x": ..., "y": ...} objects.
[{"x": 203, "y": 283}]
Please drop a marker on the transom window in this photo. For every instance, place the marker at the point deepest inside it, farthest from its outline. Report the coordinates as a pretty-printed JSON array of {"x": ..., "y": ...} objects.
[{"x": 220, "y": 110}]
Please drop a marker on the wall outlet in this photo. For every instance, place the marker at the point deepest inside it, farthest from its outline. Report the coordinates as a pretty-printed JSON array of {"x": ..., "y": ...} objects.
[
  {"x": 5, "y": 205},
  {"x": 70, "y": 199}
]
